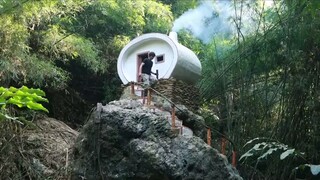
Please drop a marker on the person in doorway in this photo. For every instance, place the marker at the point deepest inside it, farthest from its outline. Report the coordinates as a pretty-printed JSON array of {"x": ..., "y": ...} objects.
[{"x": 145, "y": 70}]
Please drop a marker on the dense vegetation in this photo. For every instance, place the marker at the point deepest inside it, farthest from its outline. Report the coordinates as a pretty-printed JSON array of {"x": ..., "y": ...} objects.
[{"x": 263, "y": 84}]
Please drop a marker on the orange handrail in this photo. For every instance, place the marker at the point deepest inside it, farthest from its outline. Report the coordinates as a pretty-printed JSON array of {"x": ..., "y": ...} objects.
[
  {"x": 209, "y": 136},
  {"x": 234, "y": 159},
  {"x": 132, "y": 88},
  {"x": 224, "y": 140},
  {"x": 148, "y": 97},
  {"x": 223, "y": 146},
  {"x": 173, "y": 116}
]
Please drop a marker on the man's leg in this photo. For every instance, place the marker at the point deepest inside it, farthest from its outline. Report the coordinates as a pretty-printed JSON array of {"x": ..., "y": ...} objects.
[
  {"x": 145, "y": 78},
  {"x": 153, "y": 80}
]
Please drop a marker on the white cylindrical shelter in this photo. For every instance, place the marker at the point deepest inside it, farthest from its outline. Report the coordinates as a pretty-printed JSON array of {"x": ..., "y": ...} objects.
[{"x": 172, "y": 59}]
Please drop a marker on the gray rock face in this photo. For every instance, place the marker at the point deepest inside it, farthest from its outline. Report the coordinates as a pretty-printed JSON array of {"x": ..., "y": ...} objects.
[{"x": 125, "y": 140}]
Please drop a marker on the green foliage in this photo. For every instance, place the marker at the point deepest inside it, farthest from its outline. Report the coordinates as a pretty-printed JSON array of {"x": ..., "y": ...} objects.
[
  {"x": 23, "y": 26},
  {"x": 314, "y": 169},
  {"x": 208, "y": 111},
  {"x": 67, "y": 47},
  {"x": 108, "y": 18},
  {"x": 158, "y": 17},
  {"x": 262, "y": 151},
  {"x": 178, "y": 7},
  {"x": 40, "y": 39},
  {"x": 22, "y": 97},
  {"x": 267, "y": 155},
  {"x": 268, "y": 85}
]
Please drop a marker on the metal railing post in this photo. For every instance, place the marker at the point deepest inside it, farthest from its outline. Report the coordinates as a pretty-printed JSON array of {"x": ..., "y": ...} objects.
[
  {"x": 173, "y": 116},
  {"x": 132, "y": 88},
  {"x": 143, "y": 97},
  {"x": 149, "y": 97},
  {"x": 223, "y": 146},
  {"x": 209, "y": 136},
  {"x": 234, "y": 159}
]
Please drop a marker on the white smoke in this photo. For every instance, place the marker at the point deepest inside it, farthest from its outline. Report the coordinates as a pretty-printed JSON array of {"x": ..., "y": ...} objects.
[{"x": 212, "y": 18}]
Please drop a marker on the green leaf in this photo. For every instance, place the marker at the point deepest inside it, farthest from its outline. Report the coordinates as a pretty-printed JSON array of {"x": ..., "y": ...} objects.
[
  {"x": 38, "y": 92},
  {"x": 269, "y": 152},
  {"x": 315, "y": 169},
  {"x": 245, "y": 155},
  {"x": 2, "y": 90},
  {"x": 16, "y": 101},
  {"x": 7, "y": 94},
  {"x": 37, "y": 98},
  {"x": 36, "y": 106},
  {"x": 286, "y": 153},
  {"x": 2, "y": 101},
  {"x": 20, "y": 93},
  {"x": 13, "y": 89}
]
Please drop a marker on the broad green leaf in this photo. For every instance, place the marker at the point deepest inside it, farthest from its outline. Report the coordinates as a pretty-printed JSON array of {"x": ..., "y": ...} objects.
[
  {"x": 24, "y": 88},
  {"x": 249, "y": 142},
  {"x": 36, "y": 106},
  {"x": 286, "y": 153},
  {"x": 269, "y": 152},
  {"x": 7, "y": 94},
  {"x": 38, "y": 92},
  {"x": 245, "y": 155},
  {"x": 2, "y": 90},
  {"x": 16, "y": 101},
  {"x": 2, "y": 100},
  {"x": 26, "y": 99},
  {"x": 315, "y": 169},
  {"x": 21, "y": 93},
  {"x": 37, "y": 98},
  {"x": 13, "y": 89}
]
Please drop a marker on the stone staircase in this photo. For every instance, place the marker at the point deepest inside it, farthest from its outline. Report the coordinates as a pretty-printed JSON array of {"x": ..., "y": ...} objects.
[{"x": 162, "y": 107}]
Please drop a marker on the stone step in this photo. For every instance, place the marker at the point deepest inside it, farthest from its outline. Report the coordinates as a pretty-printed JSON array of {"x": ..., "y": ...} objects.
[{"x": 183, "y": 130}]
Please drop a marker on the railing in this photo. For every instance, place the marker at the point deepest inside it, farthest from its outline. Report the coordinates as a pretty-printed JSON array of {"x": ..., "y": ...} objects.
[
  {"x": 148, "y": 103},
  {"x": 224, "y": 138},
  {"x": 224, "y": 141}
]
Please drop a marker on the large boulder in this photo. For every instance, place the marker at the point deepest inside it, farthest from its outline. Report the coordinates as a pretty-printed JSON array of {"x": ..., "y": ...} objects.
[
  {"x": 37, "y": 150},
  {"x": 126, "y": 140}
]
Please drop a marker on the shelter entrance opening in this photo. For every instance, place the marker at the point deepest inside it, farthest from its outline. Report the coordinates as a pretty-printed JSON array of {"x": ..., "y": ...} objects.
[{"x": 140, "y": 58}]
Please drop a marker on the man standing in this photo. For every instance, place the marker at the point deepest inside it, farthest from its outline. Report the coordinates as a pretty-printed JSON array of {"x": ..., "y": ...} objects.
[{"x": 145, "y": 70}]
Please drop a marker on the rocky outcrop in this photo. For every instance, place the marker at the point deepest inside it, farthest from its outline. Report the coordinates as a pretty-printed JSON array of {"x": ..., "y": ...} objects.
[
  {"x": 37, "y": 150},
  {"x": 125, "y": 140}
]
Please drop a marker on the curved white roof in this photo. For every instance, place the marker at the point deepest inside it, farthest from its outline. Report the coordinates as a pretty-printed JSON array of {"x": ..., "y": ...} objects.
[{"x": 180, "y": 62}]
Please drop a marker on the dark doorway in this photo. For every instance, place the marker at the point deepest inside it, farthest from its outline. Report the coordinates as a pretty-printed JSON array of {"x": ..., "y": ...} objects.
[{"x": 140, "y": 57}]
